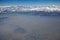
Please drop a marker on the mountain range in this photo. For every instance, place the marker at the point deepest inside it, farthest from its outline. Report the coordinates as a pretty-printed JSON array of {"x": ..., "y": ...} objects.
[{"x": 45, "y": 11}]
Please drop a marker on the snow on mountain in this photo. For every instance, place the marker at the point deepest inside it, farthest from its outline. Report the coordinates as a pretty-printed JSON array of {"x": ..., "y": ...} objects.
[{"x": 22, "y": 8}]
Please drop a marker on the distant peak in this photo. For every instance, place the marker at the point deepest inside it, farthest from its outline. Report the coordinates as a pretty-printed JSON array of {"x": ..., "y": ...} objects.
[{"x": 23, "y": 8}]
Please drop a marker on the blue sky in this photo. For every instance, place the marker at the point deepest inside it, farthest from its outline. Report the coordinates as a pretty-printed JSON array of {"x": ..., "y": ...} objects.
[{"x": 30, "y": 2}]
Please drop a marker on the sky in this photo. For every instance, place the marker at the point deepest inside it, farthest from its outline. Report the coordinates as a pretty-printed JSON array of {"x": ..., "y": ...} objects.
[{"x": 29, "y": 2}]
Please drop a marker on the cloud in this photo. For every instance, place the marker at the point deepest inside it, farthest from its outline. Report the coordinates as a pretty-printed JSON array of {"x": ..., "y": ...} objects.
[{"x": 19, "y": 8}]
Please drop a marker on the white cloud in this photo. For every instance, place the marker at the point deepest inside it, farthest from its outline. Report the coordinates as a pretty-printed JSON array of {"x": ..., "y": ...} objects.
[{"x": 16, "y": 8}]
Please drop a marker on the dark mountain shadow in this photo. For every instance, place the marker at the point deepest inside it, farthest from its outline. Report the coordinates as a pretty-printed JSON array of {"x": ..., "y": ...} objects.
[{"x": 20, "y": 30}]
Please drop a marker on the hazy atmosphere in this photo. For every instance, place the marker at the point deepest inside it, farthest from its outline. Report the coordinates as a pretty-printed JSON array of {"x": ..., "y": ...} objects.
[{"x": 29, "y": 19}]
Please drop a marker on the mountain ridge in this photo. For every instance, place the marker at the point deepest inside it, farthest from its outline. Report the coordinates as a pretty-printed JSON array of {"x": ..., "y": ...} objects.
[{"x": 22, "y": 8}]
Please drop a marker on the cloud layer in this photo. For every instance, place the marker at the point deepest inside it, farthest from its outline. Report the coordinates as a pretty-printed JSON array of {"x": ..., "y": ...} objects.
[{"x": 22, "y": 8}]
